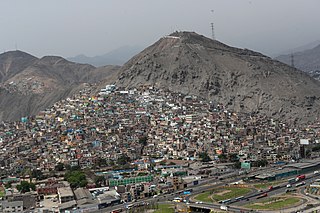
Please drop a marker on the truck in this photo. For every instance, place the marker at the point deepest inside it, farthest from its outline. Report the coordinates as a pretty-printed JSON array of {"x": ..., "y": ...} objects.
[
  {"x": 300, "y": 177},
  {"x": 223, "y": 207},
  {"x": 300, "y": 184},
  {"x": 291, "y": 190},
  {"x": 262, "y": 195},
  {"x": 273, "y": 187}
]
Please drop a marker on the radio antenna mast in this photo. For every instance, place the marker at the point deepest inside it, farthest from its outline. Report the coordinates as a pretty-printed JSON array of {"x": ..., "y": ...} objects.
[{"x": 212, "y": 27}]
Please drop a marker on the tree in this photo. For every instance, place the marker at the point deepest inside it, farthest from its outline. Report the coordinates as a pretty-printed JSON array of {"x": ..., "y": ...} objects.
[
  {"x": 8, "y": 185},
  {"x": 233, "y": 157},
  {"x": 163, "y": 163},
  {"x": 36, "y": 173},
  {"x": 25, "y": 186},
  {"x": 76, "y": 178},
  {"x": 101, "y": 162},
  {"x": 99, "y": 181},
  {"x": 222, "y": 157},
  {"x": 59, "y": 167},
  {"x": 172, "y": 163},
  {"x": 237, "y": 165},
  {"x": 143, "y": 140},
  {"x": 205, "y": 157},
  {"x": 123, "y": 159},
  {"x": 260, "y": 163}
]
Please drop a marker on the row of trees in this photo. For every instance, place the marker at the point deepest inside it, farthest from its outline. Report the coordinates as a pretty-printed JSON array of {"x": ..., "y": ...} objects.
[{"x": 233, "y": 158}]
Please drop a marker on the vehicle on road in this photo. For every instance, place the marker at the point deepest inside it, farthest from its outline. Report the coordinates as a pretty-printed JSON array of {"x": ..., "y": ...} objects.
[
  {"x": 300, "y": 177},
  {"x": 291, "y": 190},
  {"x": 225, "y": 208},
  {"x": 117, "y": 210},
  {"x": 263, "y": 195},
  {"x": 289, "y": 185},
  {"x": 292, "y": 180},
  {"x": 300, "y": 184},
  {"x": 225, "y": 201},
  {"x": 273, "y": 187},
  {"x": 177, "y": 199},
  {"x": 239, "y": 198}
]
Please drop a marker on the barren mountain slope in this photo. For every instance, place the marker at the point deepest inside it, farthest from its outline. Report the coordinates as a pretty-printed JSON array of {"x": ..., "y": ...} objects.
[
  {"x": 35, "y": 84},
  {"x": 13, "y": 62},
  {"x": 243, "y": 80}
]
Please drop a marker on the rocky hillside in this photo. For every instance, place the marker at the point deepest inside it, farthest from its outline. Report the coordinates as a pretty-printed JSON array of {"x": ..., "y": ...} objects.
[
  {"x": 244, "y": 80},
  {"x": 29, "y": 84},
  {"x": 11, "y": 63},
  {"x": 308, "y": 61}
]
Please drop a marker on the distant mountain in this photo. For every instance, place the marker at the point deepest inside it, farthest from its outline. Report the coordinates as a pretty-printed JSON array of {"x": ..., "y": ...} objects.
[
  {"x": 13, "y": 62},
  {"x": 308, "y": 46},
  {"x": 308, "y": 61},
  {"x": 29, "y": 84},
  {"x": 243, "y": 80},
  {"x": 116, "y": 57}
]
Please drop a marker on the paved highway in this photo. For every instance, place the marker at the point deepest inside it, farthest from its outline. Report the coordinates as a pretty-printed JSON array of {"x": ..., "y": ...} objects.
[
  {"x": 280, "y": 190},
  {"x": 213, "y": 182}
]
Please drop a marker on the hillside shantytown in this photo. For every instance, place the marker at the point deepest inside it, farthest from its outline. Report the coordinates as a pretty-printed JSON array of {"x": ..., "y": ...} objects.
[{"x": 129, "y": 147}]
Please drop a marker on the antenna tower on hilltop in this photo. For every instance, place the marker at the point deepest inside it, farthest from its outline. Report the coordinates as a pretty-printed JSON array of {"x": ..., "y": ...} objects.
[
  {"x": 212, "y": 31},
  {"x": 212, "y": 27}
]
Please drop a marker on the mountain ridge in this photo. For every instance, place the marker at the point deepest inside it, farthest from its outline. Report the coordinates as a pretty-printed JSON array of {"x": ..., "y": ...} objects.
[
  {"x": 244, "y": 80},
  {"x": 307, "y": 61},
  {"x": 34, "y": 84},
  {"x": 115, "y": 57}
]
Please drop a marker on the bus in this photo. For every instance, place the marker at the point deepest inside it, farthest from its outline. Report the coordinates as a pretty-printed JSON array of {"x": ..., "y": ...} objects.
[
  {"x": 239, "y": 198},
  {"x": 177, "y": 199},
  {"x": 226, "y": 201}
]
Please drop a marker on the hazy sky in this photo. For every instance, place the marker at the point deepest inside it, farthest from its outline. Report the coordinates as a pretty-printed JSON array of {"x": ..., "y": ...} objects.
[{"x": 93, "y": 27}]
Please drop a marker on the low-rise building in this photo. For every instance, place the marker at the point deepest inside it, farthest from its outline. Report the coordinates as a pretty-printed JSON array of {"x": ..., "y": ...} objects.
[{"x": 65, "y": 194}]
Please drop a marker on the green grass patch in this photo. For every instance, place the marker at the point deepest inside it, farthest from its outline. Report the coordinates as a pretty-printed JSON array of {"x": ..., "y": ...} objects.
[
  {"x": 165, "y": 208},
  {"x": 275, "y": 203},
  {"x": 204, "y": 197},
  {"x": 229, "y": 193},
  {"x": 267, "y": 184},
  {"x": 222, "y": 194},
  {"x": 2, "y": 192}
]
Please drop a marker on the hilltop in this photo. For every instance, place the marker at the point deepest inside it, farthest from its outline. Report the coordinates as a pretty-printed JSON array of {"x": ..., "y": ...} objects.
[
  {"x": 29, "y": 84},
  {"x": 243, "y": 80}
]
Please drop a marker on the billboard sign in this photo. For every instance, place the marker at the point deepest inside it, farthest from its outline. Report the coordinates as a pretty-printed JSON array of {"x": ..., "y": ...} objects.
[{"x": 304, "y": 141}]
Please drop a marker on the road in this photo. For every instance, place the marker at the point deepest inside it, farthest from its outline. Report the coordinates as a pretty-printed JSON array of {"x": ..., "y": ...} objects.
[
  {"x": 203, "y": 186},
  {"x": 213, "y": 182},
  {"x": 280, "y": 190}
]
